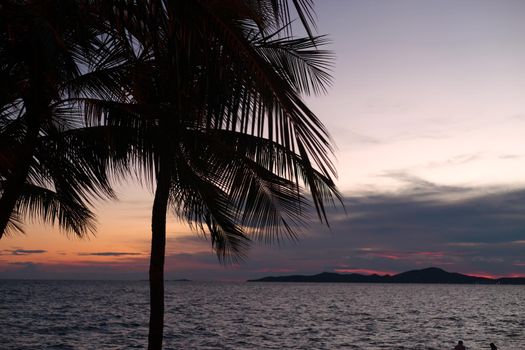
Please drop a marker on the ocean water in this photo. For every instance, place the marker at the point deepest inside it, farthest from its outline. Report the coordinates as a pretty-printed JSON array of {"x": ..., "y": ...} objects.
[{"x": 88, "y": 315}]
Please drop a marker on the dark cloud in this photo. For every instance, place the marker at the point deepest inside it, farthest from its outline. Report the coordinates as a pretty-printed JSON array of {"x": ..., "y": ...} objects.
[
  {"x": 465, "y": 228},
  {"x": 444, "y": 215},
  {"x": 110, "y": 254},
  {"x": 456, "y": 160},
  {"x": 26, "y": 251},
  {"x": 413, "y": 185},
  {"x": 460, "y": 229},
  {"x": 511, "y": 156},
  {"x": 189, "y": 238},
  {"x": 23, "y": 263}
]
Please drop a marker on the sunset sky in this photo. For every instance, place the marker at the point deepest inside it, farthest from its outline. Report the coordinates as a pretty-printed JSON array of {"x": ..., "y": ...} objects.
[{"x": 428, "y": 114}]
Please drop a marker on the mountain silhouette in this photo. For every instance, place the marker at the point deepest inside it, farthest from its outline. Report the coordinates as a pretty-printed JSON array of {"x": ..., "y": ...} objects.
[{"x": 428, "y": 275}]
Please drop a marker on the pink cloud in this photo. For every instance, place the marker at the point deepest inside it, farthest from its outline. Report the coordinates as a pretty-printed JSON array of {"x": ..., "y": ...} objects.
[
  {"x": 364, "y": 271},
  {"x": 386, "y": 256},
  {"x": 482, "y": 274},
  {"x": 430, "y": 254},
  {"x": 517, "y": 275}
]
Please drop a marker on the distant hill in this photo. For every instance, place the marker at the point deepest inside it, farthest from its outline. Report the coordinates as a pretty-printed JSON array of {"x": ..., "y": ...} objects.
[{"x": 428, "y": 275}]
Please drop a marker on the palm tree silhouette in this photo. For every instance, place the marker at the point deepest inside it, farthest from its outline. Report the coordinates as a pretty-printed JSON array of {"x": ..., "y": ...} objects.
[
  {"x": 226, "y": 139},
  {"x": 201, "y": 98},
  {"x": 51, "y": 58}
]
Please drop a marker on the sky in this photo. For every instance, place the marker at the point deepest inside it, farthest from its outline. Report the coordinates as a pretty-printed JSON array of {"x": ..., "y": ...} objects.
[{"x": 427, "y": 111}]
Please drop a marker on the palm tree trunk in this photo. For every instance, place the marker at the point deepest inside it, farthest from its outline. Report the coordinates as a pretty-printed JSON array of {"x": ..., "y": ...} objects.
[
  {"x": 158, "y": 250},
  {"x": 16, "y": 180}
]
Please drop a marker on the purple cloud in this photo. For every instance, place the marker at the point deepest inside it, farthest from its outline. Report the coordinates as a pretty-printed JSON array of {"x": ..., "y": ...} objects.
[
  {"x": 26, "y": 251},
  {"x": 110, "y": 254}
]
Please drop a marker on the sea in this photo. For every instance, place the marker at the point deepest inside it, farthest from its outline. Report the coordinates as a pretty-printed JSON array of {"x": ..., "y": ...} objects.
[{"x": 87, "y": 315}]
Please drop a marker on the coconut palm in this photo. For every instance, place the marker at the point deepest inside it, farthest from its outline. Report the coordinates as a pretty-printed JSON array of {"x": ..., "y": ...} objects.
[
  {"x": 52, "y": 55},
  {"x": 227, "y": 140},
  {"x": 217, "y": 123}
]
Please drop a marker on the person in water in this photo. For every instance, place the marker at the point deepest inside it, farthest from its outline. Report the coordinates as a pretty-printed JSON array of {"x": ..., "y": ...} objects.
[
  {"x": 460, "y": 346},
  {"x": 493, "y": 347}
]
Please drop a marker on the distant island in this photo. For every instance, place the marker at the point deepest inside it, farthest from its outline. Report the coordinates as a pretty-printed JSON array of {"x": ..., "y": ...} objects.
[{"x": 428, "y": 275}]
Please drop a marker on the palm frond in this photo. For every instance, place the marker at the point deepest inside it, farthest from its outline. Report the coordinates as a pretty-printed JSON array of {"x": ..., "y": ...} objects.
[
  {"x": 303, "y": 8},
  {"x": 299, "y": 61},
  {"x": 14, "y": 225},
  {"x": 76, "y": 163},
  {"x": 39, "y": 203},
  {"x": 208, "y": 208}
]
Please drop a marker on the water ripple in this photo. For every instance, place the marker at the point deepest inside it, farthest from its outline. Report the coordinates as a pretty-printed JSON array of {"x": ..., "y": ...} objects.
[{"x": 82, "y": 315}]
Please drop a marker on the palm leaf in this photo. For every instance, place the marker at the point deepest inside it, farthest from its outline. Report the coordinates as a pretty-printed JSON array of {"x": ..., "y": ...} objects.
[
  {"x": 299, "y": 62},
  {"x": 56, "y": 208}
]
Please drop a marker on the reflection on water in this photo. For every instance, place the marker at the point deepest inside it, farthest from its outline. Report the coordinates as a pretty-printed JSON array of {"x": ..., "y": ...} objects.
[{"x": 113, "y": 315}]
